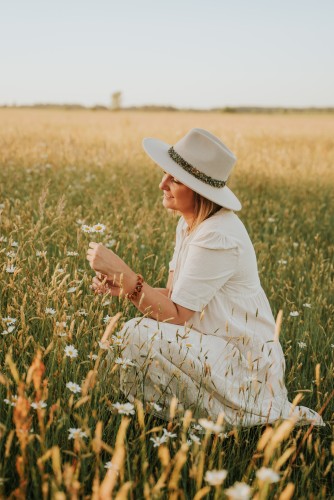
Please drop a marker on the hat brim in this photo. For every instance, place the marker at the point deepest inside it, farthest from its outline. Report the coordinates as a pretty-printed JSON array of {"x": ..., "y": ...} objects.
[{"x": 157, "y": 150}]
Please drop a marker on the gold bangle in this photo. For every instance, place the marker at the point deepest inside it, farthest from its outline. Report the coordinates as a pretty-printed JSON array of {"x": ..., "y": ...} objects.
[{"x": 139, "y": 285}]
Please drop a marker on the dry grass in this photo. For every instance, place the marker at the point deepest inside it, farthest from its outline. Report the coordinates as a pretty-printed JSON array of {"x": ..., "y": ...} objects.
[{"x": 58, "y": 167}]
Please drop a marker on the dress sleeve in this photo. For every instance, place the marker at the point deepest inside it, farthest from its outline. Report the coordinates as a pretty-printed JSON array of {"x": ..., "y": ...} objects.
[
  {"x": 172, "y": 263},
  {"x": 211, "y": 261}
]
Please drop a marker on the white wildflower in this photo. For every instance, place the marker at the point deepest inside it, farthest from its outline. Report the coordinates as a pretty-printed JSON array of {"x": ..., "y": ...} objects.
[
  {"x": 210, "y": 426},
  {"x": 111, "y": 243},
  {"x": 72, "y": 289},
  {"x": 157, "y": 441},
  {"x": 104, "y": 345},
  {"x": 86, "y": 229},
  {"x": 124, "y": 408},
  {"x": 294, "y": 314},
  {"x": 92, "y": 356},
  {"x": 50, "y": 310},
  {"x": 295, "y": 244},
  {"x": 15, "y": 244},
  {"x": 80, "y": 222},
  {"x": 117, "y": 340},
  {"x": 239, "y": 491},
  {"x": 11, "y": 254},
  {"x": 302, "y": 345},
  {"x": 155, "y": 406},
  {"x": 194, "y": 438},
  {"x": 168, "y": 435},
  {"x": 124, "y": 362},
  {"x": 106, "y": 319},
  {"x": 76, "y": 433},
  {"x": 106, "y": 303},
  {"x": 10, "y": 269},
  {"x": 12, "y": 400},
  {"x": 98, "y": 228},
  {"x": 73, "y": 387},
  {"x": 39, "y": 405},
  {"x": 61, "y": 324},
  {"x": 3, "y": 239},
  {"x": 271, "y": 219},
  {"x": 60, "y": 270},
  {"x": 41, "y": 253},
  {"x": 267, "y": 475},
  {"x": 71, "y": 351},
  {"x": 82, "y": 312},
  {"x": 72, "y": 254},
  {"x": 215, "y": 477},
  {"x": 110, "y": 465},
  {"x": 8, "y": 320},
  {"x": 307, "y": 305},
  {"x": 283, "y": 262}
]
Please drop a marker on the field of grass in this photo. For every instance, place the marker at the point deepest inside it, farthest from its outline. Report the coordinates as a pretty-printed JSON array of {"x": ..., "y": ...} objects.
[{"x": 62, "y": 169}]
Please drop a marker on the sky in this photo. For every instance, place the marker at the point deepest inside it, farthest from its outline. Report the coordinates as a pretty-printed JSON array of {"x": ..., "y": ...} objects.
[{"x": 183, "y": 53}]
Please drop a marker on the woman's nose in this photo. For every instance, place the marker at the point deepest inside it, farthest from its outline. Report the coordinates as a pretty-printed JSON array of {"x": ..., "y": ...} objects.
[{"x": 164, "y": 183}]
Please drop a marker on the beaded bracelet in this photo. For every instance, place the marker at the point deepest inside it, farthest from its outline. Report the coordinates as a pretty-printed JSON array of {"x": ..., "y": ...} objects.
[{"x": 139, "y": 285}]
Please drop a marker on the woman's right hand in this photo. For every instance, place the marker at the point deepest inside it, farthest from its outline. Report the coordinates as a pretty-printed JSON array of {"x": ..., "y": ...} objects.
[{"x": 101, "y": 286}]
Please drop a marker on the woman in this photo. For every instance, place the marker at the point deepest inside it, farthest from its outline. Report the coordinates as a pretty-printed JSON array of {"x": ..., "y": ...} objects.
[{"x": 208, "y": 338}]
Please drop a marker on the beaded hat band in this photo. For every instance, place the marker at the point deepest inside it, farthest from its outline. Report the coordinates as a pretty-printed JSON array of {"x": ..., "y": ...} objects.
[{"x": 194, "y": 171}]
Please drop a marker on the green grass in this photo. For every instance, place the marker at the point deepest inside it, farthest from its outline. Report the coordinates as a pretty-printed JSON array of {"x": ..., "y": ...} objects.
[{"x": 53, "y": 176}]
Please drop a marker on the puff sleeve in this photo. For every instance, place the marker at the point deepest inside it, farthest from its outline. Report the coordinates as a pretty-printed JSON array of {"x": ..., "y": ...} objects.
[{"x": 211, "y": 261}]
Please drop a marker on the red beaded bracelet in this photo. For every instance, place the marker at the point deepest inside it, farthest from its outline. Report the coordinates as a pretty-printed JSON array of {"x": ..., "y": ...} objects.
[{"x": 139, "y": 285}]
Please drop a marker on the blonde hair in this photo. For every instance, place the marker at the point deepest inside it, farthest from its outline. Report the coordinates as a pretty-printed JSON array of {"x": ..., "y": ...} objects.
[{"x": 203, "y": 209}]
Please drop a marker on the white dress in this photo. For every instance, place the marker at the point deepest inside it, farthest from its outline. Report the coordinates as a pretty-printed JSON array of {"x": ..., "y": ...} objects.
[{"x": 226, "y": 359}]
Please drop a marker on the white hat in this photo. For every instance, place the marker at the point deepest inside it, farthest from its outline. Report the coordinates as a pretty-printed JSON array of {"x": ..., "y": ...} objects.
[{"x": 200, "y": 161}]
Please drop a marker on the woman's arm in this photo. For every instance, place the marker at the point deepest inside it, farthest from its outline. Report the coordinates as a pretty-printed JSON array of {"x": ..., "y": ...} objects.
[
  {"x": 151, "y": 302},
  {"x": 167, "y": 291}
]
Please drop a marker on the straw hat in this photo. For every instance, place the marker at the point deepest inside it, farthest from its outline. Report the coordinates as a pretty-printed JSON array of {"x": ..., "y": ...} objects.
[{"x": 200, "y": 161}]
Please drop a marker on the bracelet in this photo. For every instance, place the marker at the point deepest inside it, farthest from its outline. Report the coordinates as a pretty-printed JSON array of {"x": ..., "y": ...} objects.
[{"x": 139, "y": 285}]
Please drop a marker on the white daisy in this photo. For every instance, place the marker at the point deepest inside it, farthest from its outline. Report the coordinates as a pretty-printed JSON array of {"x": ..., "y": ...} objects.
[
  {"x": 60, "y": 270},
  {"x": 12, "y": 400},
  {"x": 50, "y": 310},
  {"x": 39, "y": 405},
  {"x": 10, "y": 329},
  {"x": 271, "y": 219},
  {"x": 76, "y": 433},
  {"x": 239, "y": 491},
  {"x": 3, "y": 239},
  {"x": 294, "y": 314},
  {"x": 82, "y": 312},
  {"x": 168, "y": 435},
  {"x": 104, "y": 345},
  {"x": 11, "y": 254},
  {"x": 215, "y": 477},
  {"x": 111, "y": 243},
  {"x": 155, "y": 406},
  {"x": 10, "y": 269},
  {"x": 106, "y": 303},
  {"x": 267, "y": 475},
  {"x": 86, "y": 229},
  {"x": 9, "y": 320},
  {"x": 157, "y": 441},
  {"x": 106, "y": 319},
  {"x": 98, "y": 228},
  {"x": 72, "y": 289},
  {"x": 15, "y": 244},
  {"x": 41, "y": 253},
  {"x": 124, "y": 362},
  {"x": 92, "y": 356},
  {"x": 194, "y": 438},
  {"x": 72, "y": 254},
  {"x": 73, "y": 387},
  {"x": 210, "y": 426},
  {"x": 307, "y": 305},
  {"x": 124, "y": 408},
  {"x": 283, "y": 262},
  {"x": 71, "y": 351},
  {"x": 302, "y": 345}
]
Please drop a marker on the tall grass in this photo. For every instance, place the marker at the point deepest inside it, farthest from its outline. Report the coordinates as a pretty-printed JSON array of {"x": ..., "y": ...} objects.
[{"x": 59, "y": 170}]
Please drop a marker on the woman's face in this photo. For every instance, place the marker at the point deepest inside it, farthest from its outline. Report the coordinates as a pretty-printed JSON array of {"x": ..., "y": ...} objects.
[{"x": 177, "y": 196}]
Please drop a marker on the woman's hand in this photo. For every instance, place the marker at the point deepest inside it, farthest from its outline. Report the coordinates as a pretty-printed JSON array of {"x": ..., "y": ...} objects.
[
  {"x": 106, "y": 262},
  {"x": 101, "y": 285}
]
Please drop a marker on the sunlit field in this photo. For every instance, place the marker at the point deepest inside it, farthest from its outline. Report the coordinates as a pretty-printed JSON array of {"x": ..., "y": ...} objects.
[{"x": 65, "y": 428}]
